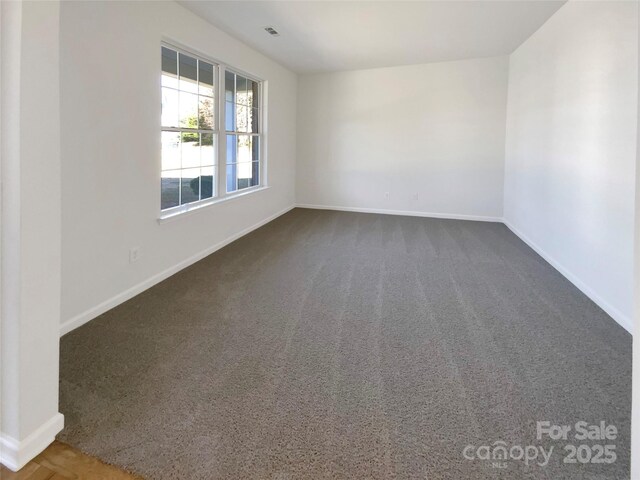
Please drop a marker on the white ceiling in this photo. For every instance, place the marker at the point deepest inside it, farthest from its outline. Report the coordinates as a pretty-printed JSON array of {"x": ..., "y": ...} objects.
[{"x": 325, "y": 36}]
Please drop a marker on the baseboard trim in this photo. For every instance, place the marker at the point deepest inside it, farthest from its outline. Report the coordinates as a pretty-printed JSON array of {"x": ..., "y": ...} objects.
[
  {"x": 15, "y": 454},
  {"x": 617, "y": 315},
  {"x": 92, "y": 313},
  {"x": 405, "y": 213}
]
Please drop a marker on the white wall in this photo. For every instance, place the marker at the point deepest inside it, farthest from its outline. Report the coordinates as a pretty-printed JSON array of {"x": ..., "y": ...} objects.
[
  {"x": 571, "y": 147},
  {"x": 435, "y": 130},
  {"x": 110, "y": 72}
]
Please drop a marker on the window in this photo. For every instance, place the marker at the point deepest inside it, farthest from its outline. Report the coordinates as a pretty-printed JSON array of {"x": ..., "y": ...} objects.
[
  {"x": 189, "y": 134},
  {"x": 242, "y": 114},
  {"x": 191, "y": 122}
]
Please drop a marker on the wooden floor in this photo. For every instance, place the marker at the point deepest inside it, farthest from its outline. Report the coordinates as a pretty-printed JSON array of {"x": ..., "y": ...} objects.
[{"x": 60, "y": 462}]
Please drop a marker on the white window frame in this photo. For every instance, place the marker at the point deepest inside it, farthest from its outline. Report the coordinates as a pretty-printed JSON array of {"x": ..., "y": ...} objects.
[
  {"x": 223, "y": 131},
  {"x": 220, "y": 169}
]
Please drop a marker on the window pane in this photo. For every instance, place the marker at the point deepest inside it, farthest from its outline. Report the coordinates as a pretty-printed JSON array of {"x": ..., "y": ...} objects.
[
  {"x": 242, "y": 118},
  {"x": 170, "y": 150},
  {"x": 232, "y": 185},
  {"x": 207, "y": 149},
  {"x": 169, "y": 68},
  {"x": 244, "y": 148},
  {"x": 241, "y": 90},
  {"x": 253, "y": 120},
  {"x": 207, "y": 184},
  {"x": 190, "y": 185},
  {"x": 255, "y": 175},
  {"x": 255, "y": 149},
  {"x": 230, "y": 115},
  {"x": 188, "y": 110},
  {"x": 169, "y": 107},
  {"x": 249, "y": 92},
  {"x": 205, "y": 113},
  {"x": 229, "y": 87},
  {"x": 205, "y": 78},
  {"x": 255, "y": 96},
  {"x": 170, "y": 189},
  {"x": 230, "y": 160},
  {"x": 245, "y": 174},
  {"x": 188, "y": 73},
  {"x": 190, "y": 150},
  {"x": 231, "y": 148}
]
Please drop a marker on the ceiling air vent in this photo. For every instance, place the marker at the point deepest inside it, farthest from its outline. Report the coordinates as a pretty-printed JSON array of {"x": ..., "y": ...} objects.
[{"x": 272, "y": 31}]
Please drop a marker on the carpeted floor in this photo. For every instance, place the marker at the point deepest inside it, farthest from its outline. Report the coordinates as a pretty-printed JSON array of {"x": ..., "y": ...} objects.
[{"x": 347, "y": 345}]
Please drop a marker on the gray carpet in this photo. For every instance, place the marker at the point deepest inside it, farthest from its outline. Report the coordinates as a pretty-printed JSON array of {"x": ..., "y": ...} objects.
[{"x": 346, "y": 345}]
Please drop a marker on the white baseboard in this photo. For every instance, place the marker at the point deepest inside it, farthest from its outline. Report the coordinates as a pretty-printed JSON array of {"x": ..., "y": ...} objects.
[
  {"x": 617, "y": 315},
  {"x": 92, "y": 313},
  {"x": 406, "y": 213},
  {"x": 15, "y": 454}
]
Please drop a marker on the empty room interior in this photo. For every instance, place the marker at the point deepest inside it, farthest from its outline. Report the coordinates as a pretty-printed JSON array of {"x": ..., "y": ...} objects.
[{"x": 319, "y": 239}]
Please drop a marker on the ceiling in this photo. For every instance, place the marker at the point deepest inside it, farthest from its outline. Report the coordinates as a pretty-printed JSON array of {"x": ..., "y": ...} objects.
[{"x": 324, "y": 36}]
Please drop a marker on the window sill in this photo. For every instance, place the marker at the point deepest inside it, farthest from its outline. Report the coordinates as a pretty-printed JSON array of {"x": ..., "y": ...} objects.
[{"x": 215, "y": 201}]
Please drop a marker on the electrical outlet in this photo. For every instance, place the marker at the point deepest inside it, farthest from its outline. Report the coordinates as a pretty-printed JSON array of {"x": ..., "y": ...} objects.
[
  {"x": 134, "y": 254},
  {"x": 386, "y": 195}
]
